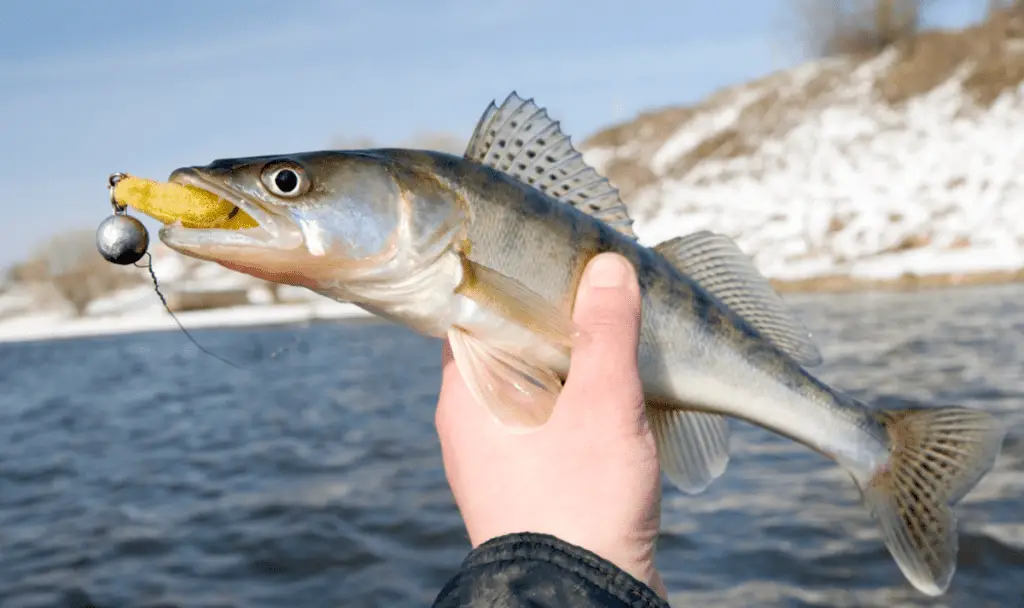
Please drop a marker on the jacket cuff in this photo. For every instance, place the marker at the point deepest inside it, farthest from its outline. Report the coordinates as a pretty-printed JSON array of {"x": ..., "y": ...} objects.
[{"x": 576, "y": 565}]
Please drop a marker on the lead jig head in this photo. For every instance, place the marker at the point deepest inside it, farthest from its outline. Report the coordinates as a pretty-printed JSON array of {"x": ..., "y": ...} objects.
[{"x": 121, "y": 239}]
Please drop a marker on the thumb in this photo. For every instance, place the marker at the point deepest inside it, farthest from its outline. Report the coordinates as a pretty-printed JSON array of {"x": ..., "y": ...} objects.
[{"x": 603, "y": 378}]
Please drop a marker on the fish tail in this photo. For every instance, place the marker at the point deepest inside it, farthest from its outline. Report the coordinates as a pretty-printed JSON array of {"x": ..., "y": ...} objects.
[{"x": 936, "y": 456}]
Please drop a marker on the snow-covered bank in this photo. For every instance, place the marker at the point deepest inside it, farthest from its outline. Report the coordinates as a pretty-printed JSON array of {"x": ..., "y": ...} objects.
[
  {"x": 874, "y": 169},
  {"x": 37, "y": 312},
  {"x": 58, "y": 326}
]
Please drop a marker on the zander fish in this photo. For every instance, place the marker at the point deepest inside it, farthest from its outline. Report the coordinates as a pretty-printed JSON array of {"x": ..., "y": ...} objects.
[{"x": 488, "y": 249}]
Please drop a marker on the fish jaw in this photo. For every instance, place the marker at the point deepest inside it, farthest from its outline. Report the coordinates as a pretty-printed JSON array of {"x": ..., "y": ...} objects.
[
  {"x": 274, "y": 247},
  {"x": 284, "y": 248}
]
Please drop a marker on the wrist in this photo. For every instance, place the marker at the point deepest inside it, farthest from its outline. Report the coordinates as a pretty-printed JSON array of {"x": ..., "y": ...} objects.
[
  {"x": 634, "y": 556},
  {"x": 642, "y": 568}
]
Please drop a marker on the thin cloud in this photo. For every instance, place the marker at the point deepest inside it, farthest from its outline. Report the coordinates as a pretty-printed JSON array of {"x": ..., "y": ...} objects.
[
  {"x": 258, "y": 41},
  {"x": 201, "y": 53}
]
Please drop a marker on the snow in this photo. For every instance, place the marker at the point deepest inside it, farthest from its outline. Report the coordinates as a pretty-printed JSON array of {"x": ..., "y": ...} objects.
[
  {"x": 846, "y": 184},
  {"x": 704, "y": 126},
  {"x": 17, "y": 301},
  {"x": 48, "y": 326},
  {"x": 598, "y": 158}
]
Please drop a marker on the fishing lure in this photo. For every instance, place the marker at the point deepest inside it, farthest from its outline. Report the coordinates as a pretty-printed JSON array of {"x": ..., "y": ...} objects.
[
  {"x": 124, "y": 240},
  {"x": 121, "y": 238},
  {"x": 169, "y": 203}
]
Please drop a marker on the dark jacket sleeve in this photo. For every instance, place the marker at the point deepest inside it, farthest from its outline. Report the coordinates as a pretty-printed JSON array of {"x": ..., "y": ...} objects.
[{"x": 541, "y": 571}]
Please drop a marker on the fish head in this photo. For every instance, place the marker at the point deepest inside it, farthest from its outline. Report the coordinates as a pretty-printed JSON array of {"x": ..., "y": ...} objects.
[{"x": 326, "y": 219}]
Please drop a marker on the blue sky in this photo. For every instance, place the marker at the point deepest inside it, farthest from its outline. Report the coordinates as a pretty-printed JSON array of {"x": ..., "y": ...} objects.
[{"x": 89, "y": 88}]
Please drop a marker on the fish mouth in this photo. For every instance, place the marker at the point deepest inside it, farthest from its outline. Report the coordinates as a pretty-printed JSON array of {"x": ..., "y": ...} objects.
[{"x": 273, "y": 232}]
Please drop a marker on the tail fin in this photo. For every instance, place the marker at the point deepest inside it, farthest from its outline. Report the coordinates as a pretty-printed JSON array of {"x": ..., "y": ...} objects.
[{"x": 936, "y": 456}]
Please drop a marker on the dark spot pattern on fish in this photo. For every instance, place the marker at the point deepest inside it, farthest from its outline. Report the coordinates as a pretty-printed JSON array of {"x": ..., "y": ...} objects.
[
  {"x": 514, "y": 217},
  {"x": 725, "y": 326},
  {"x": 705, "y": 311}
]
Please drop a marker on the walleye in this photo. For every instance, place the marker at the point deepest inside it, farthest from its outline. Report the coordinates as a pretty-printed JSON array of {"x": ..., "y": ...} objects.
[{"x": 488, "y": 249}]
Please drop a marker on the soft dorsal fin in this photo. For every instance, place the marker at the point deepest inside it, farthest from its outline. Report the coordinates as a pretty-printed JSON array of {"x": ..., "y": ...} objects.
[
  {"x": 721, "y": 267},
  {"x": 520, "y": 139}
]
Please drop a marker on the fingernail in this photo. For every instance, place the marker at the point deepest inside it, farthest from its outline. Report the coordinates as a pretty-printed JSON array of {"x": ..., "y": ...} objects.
[{"x": 607, "y": 270}]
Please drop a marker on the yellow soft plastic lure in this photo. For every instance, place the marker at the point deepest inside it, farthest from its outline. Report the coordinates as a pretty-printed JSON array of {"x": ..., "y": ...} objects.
[{"x": 168, "y": 203}]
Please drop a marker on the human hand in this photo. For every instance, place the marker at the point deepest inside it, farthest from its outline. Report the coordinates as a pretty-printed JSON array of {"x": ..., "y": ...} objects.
[{"x": 590, "y": 475}]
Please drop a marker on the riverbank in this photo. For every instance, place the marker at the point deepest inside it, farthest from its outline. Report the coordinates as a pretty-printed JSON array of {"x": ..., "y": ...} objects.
[
  {"x": 59, "y": 326},
  {"x": 908, "y": 282}
]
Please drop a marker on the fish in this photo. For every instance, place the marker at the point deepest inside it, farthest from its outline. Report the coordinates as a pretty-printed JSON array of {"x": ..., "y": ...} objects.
[{"x": 487, "y": 250}]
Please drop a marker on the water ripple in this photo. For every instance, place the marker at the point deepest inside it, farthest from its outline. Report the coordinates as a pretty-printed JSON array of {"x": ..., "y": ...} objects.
[{"x": 136, "y": 471}]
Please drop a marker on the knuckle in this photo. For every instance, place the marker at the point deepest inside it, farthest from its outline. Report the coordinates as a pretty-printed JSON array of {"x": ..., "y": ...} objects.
[
  {"x": 606, "y": 318},
  {"x": 607, "y": 332}
]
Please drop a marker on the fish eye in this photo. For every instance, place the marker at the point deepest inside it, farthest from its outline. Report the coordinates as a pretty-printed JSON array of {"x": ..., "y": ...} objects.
[{"x": 287, "y": 181}]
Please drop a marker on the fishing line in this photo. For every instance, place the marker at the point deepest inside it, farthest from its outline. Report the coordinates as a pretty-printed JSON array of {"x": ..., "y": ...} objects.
[
  {"x": 124, "y": 240},
  {"x": 163, "y": 300}
]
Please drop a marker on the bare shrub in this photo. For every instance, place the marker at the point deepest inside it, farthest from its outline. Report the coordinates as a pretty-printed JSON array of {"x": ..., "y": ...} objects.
[
  {"x": 31, "y": 271},
  {"x": 442, "y": 142},
  {"x": 857, "y": 27},
  {"x": 71, "y": 263},
  {"x": 207, "y": 300},
  {"x": 428, "y": 140},
  {"x": 345, "y": 142},
  {"x": 994, "y": 6}
]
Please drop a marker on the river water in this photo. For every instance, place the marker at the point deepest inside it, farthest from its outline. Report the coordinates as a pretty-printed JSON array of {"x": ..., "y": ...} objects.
[{"x": 138, "y": 471}]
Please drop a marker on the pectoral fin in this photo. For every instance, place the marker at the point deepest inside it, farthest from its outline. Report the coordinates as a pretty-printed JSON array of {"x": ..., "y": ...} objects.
[
  {"x": 516, "y": 302},
  {"x": 519, "y": 393}
]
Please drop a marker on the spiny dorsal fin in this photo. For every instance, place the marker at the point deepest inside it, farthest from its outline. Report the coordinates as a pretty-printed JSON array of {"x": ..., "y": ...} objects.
[
  {"x": 520, "y": 139},
  {"x": 721, "y": 267}
]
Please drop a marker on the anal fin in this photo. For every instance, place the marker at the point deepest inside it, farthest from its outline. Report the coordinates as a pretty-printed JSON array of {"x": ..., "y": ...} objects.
[
  {"x": 693, "y": 447},
  {"x": 518, "y": 393}
]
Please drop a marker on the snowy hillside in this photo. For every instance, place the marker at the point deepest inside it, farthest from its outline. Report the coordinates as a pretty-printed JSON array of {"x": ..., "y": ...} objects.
[{"x": 906, "y": 163}]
